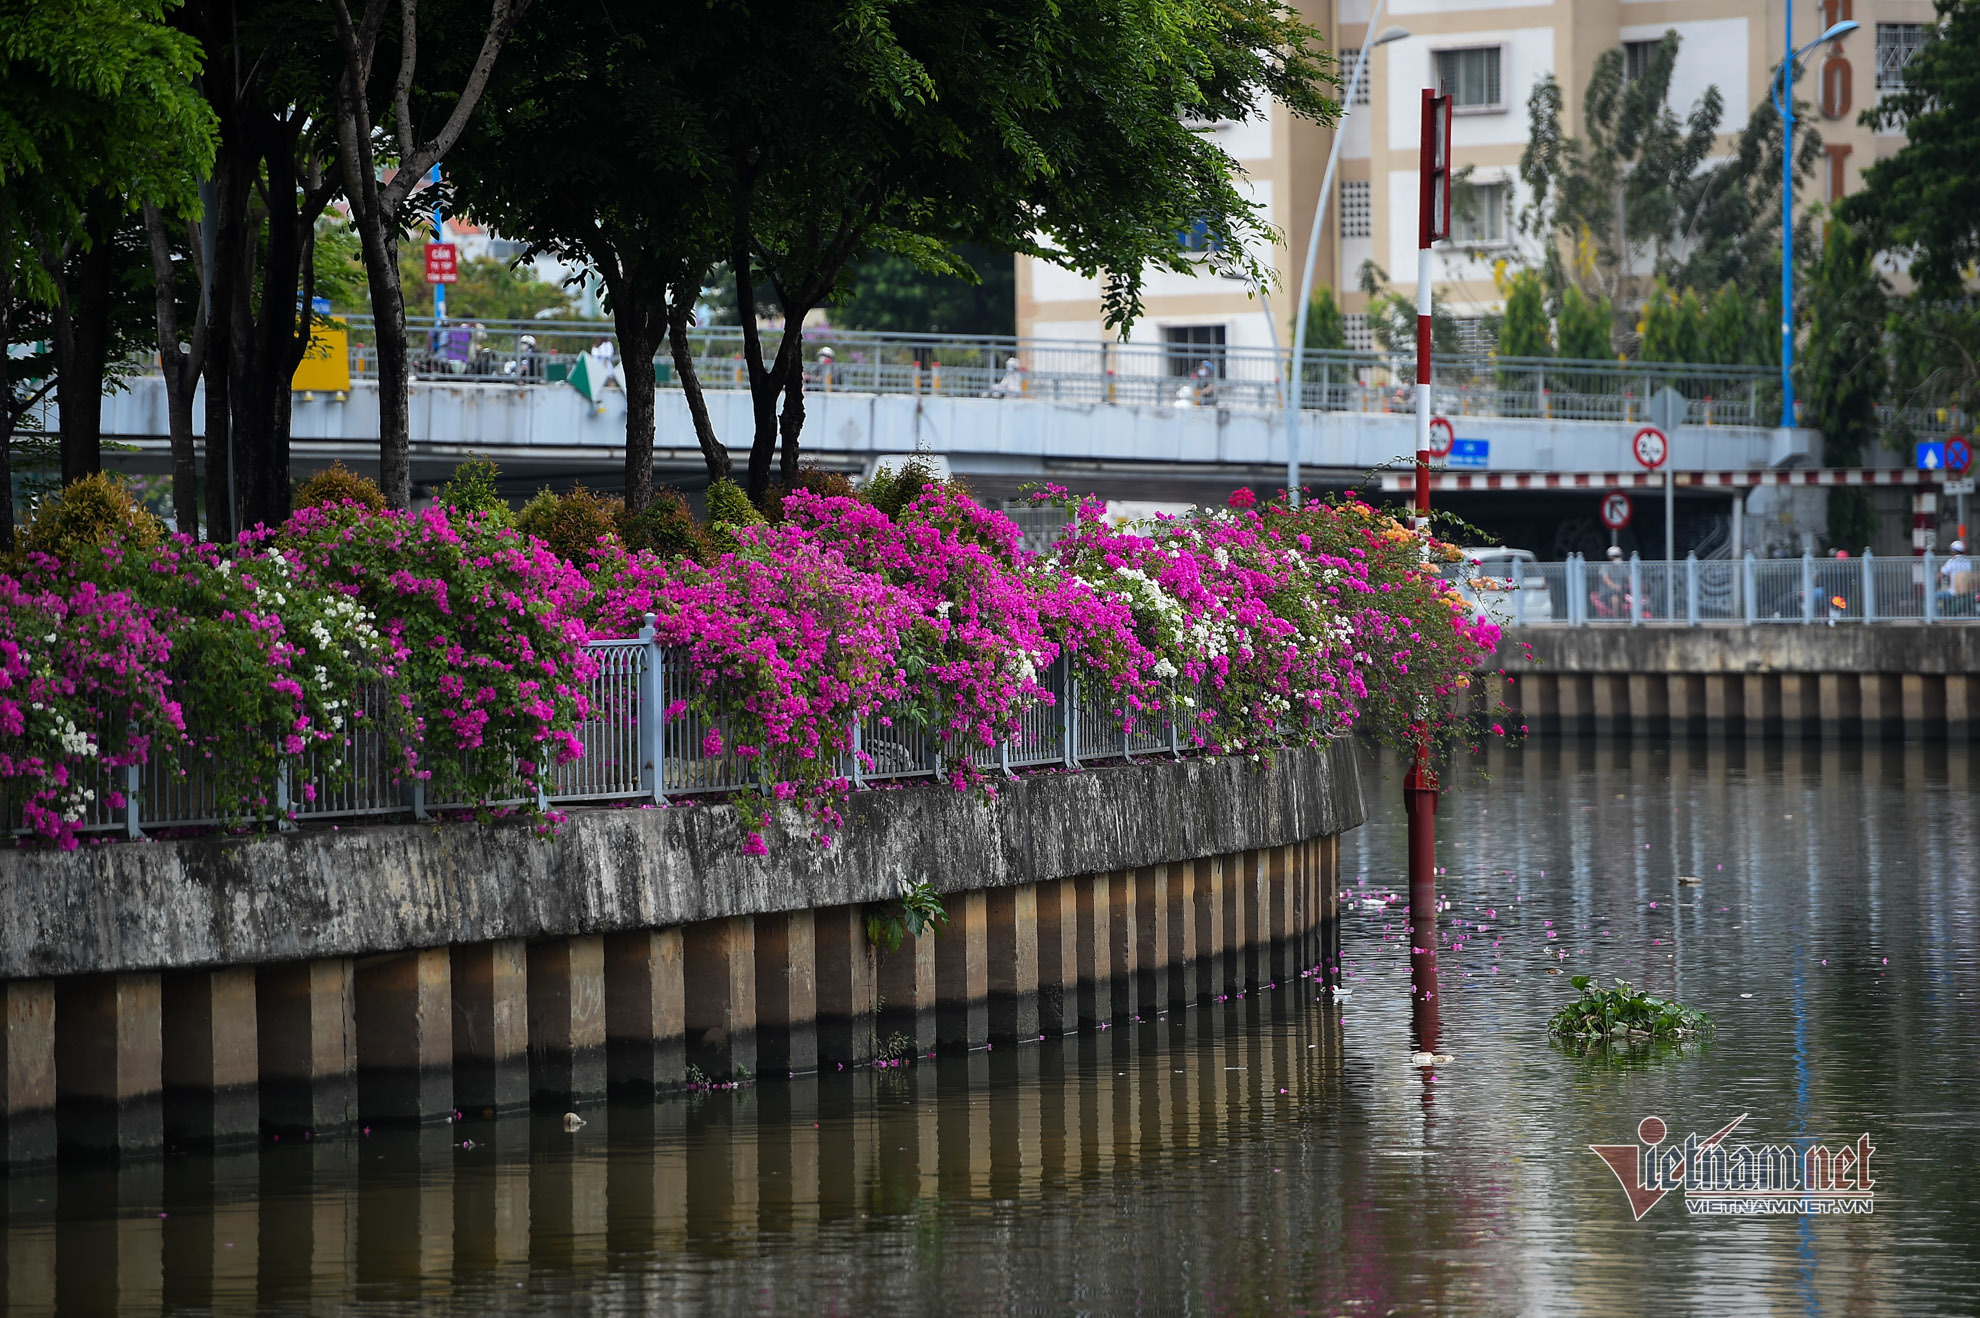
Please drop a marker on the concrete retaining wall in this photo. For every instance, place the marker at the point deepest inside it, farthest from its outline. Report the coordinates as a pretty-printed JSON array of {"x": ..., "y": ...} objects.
[
  {"x": 209, "y": 990},
  {"x": 1888, "y": 679}
]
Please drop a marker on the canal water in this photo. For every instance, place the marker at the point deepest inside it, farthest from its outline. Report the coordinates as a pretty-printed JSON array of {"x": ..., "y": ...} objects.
[{"x": 1278, "y": 1153}]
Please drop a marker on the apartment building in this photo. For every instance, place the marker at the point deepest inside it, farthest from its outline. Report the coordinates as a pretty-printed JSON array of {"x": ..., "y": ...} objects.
[{"x": 1488, "y": 54}]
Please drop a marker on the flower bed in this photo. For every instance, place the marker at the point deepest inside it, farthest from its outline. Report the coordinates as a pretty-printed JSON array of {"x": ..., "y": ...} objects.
[{"x": 917, "y": 614}]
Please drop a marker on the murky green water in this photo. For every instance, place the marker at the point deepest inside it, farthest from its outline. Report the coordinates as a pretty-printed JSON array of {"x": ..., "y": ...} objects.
[{"x": 1276, "y": 1154}]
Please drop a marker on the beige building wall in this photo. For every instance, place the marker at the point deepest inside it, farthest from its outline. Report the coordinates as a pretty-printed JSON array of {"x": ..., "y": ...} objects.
[{"x": 1730, "y": 44}]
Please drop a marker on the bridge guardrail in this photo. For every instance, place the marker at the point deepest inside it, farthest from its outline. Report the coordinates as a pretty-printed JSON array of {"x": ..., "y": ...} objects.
[
  {"x": 1239, "y": 378},
  {"x": 1806, "y": 591}
]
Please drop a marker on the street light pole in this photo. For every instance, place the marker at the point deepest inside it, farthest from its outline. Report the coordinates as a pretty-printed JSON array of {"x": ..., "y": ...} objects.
[
  {"x": 1783, "y": 93},
  {"x": 1294, "y": 392}
]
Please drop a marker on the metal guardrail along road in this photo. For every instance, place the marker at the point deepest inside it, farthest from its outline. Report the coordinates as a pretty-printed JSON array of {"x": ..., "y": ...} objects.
[
  {"x": 1098, "y": 372},
  {"x": 1805, "y": 591}
]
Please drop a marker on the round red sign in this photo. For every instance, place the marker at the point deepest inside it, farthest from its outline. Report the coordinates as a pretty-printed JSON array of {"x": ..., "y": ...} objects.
[
  {"x": 1615, "y": 510},
  {"x": 1650, "y": 447},
  {"x": 1442, "y": 435}
]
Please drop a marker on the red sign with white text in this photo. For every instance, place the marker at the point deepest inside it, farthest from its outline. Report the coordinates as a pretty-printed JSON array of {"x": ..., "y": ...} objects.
[{"x": 441, "y": 267}]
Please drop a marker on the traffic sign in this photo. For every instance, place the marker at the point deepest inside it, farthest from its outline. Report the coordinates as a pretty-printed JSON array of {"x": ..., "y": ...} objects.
[
  {"x": 1959, "y": 455},
  {"x": 1931, "y": 456},
  {"x": 441, "y": 267},
  {"x": 1650, "y": 447},
  {"x": 1667, "y": 409},
  {"x": 1442, "y": 435},
  {"x": 1615, "y": 510},
  {"x": 1962, "y": 486},
  {"x": 1471, "y": 453}
]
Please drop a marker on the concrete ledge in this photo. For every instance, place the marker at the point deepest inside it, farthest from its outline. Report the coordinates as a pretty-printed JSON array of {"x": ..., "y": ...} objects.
[
  {"x": 1943, "y": 648},
  {"x": 122, "y": 907}
]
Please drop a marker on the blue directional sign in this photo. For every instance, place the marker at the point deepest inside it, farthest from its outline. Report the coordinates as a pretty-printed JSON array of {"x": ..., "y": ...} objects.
[
  {"x": 1932, "y": 456},
  {"x": 1470, "y": 453}
]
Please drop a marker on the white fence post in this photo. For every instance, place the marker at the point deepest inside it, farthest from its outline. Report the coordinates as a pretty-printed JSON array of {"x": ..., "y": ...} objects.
[
  {"x": 1691, "y": 588},
  {"x": 131, "y": 813},
  {"x": 652, "y": 732},
  {"x": 1751, "y": 572},
  {"x": 1807, "y": 589},
  {"x": 1931, "y": 590},
  {"x": 1635, "y": 589},
  {"x": 1869, "y": 561}
]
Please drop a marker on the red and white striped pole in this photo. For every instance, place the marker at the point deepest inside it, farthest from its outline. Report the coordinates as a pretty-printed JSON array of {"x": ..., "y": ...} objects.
[{"x": 1420, "y": 787}]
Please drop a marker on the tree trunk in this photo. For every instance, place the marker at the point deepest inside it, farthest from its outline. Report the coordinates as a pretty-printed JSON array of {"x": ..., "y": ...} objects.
[
  {"x": 82, "y": 332},
  {"x": 716, "y": 457},
  {"x": 6, "y": 411},
  {"x": 388, "y": 317},
  {"x": 638, "y": 327},
  {"x": 224, "y": 284},
  {"x": 180, "y": 370},
  {"x": 790, "y": 424},
  {"x": 267, "y": 357}
]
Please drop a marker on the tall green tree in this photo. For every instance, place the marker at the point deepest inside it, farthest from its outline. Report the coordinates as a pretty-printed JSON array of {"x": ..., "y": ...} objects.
[
  {"x": 1057, "y": 131},
  {"x": 1924, "y": 199},
  {"x": 386, "y": 149},
  {"x": 598, "y": 145},
  {"x": 1641, "y": 189},
  {"x": 1582, "y": 326},
  {"x": 893, "y": 295},
  {"x": 1840, "y": 373},
  {"x": 98, "y": 116},
  {"x": 1672, "y": 325},
  {"x": 1326, "y": 327},
  {"x": 1523, "y": 330}
]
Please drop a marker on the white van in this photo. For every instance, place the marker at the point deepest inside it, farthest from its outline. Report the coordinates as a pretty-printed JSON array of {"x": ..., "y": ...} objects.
[{"x": 1485, "y": 579}]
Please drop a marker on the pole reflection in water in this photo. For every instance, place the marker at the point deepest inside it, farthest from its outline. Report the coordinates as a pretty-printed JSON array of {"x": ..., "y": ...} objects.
[{"x": 1268, "y": 1154}]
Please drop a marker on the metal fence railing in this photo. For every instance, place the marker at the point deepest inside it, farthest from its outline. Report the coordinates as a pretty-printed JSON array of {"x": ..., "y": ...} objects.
[
  {"x": 633, "y": 750},
  {"x": 1718, "y": 591},
  {"x": 1247, "y": 379}
]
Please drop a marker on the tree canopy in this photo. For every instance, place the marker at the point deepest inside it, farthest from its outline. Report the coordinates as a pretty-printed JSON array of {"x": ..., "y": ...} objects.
[{"x": 1924, "y": 200}]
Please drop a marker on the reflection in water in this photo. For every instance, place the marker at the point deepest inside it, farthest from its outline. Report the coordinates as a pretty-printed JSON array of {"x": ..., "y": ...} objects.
[{"x": 1276, "y": 1153}]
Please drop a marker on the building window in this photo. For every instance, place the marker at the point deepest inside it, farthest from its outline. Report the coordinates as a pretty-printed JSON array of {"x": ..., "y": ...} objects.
[
  {"x": 1636, "y": 58},
  {"x": 1348, "y": 56},
  {"x": 1896, "y": 44},
  {"x": 1356, "y": 218},
  {"x": 1470, "y": 78},
  {"x": 1359, "y": 337},
  {"x": 1189, "y": 346},
  {"x": 1198, "y": 238},
  {"x": 1478, "y": 214}
]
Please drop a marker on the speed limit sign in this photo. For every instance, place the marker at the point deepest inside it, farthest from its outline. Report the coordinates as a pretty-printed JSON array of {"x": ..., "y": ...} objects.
[
  {"x": 1615, "y": 510},
  {"x": 1442, "y": 435},
  {"x": 1650, "y": 447}
]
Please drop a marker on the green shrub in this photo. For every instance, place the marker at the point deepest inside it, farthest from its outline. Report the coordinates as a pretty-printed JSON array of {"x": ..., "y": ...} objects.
[
  {"x": 894, "y": 488},
  {"x": 572, "y": 524},
  {"x": 666, "y": 526},
  {"x": 472, "y": 489},
  {"x": 338, "y": 484},
  {"x": 728, "y": 504},
  {"x": 94, "y": 511}
]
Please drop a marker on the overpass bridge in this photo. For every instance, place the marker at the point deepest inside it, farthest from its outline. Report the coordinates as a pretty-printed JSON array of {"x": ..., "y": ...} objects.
[{"x": 1161, "y": 422}]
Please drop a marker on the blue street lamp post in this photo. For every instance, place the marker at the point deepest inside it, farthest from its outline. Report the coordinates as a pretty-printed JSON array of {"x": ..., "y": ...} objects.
[{"x": 1783, "y": 94}]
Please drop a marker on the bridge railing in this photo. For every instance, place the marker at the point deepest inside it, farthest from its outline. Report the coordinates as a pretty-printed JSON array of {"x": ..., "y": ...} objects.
[
  {"x": 1693, "y": 591},
  {"x": 645, "y": 741},
  {"x": 1238, "y": 378}
]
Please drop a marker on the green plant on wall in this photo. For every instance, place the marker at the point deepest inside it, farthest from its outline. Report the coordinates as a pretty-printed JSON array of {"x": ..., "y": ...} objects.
[{"x": 919, "y": 909}]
